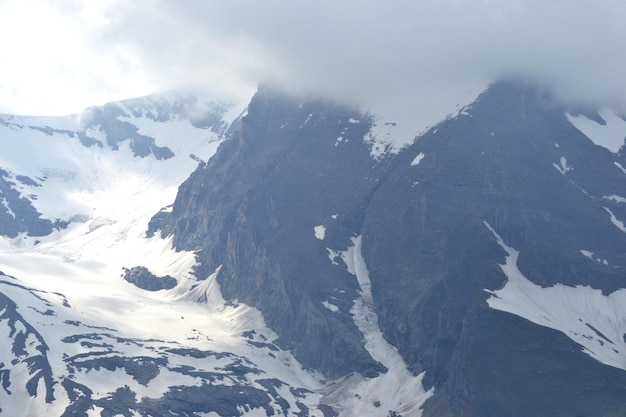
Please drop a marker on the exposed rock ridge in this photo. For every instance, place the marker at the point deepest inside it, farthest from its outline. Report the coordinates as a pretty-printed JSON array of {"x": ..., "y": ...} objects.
[{"x": 253, "y": 207}]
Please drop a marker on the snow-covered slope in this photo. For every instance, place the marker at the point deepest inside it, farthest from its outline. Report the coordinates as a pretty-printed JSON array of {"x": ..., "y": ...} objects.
[
  {"x": 136, "y": 351},
  {"x": 77, "y": 337},
  {"x": 108, "y": 162}
]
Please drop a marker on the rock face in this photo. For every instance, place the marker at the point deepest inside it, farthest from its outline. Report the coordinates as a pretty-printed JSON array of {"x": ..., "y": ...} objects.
[
  {"x": 431, "y": 257},
  {"x": 142, "y": 278},
  {"x": 254, "y": 208},
  {"x": 297, "y": 182}
]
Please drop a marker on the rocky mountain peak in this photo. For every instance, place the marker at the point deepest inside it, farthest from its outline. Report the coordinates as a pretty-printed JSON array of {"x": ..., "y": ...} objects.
[{"x": 307, "y": 267}]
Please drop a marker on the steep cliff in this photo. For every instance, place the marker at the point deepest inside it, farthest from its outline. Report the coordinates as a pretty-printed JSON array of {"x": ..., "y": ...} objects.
[{"x": 254, "y": 208}]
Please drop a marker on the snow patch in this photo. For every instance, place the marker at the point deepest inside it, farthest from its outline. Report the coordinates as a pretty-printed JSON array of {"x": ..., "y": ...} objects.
[
  {"x": 618, "y": 223},
  {"x": 388, "y": 137},
  {"x": 590, "y": 255},
  {"x": 320, "y": 232},
  {"x": 417, "y": 159},
  {"x": 330, "y": 306},
  {"x": 595, "y": 321},
  {"x": 615, "y": 198},
  {"x": 610, "y": 135},
  {"x": 465, "y": 111},
  {"x": 307, "y": 120},
  {"x": 333, "y": 255},
  {"x": 563, "y": 168},
  {"x": 617, "y": 164},
  {"x": 5, "y": 203}
]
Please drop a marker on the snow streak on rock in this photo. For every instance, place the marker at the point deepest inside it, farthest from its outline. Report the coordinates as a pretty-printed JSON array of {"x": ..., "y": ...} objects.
[
  {"x": 397, "y": 392},
  {"x": 563, "y": 167},
  {"x": 618, "y": 223},
  {"x": 417, "y": 159},
  {"x": 595, "y": 321}
]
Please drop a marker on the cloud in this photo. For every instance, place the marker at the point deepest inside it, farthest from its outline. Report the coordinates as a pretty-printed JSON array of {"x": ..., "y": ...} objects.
[
  {"x": 421, "y": 57},
  {"x": 50, "y": 63}
]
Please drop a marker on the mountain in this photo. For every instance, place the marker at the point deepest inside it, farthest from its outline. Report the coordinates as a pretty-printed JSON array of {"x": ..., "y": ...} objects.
[{"x": 171, "y": 255}]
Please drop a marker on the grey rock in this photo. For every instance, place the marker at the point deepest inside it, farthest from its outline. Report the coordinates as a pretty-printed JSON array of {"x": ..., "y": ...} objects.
[{"x": 142, "y": 278}]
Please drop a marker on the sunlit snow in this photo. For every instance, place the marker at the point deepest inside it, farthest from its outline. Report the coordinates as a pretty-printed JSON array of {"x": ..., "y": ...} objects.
[{"x": 113, "y": 195}]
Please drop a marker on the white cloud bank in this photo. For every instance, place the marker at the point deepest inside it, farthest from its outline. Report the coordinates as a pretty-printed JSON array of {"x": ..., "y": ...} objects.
[{"x": 60, "y": 57}]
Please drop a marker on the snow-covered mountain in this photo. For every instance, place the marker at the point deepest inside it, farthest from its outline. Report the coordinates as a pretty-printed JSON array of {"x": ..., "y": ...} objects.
[
  {"x": 182, "y": 255},
  {"x": 78, "y": 339}
]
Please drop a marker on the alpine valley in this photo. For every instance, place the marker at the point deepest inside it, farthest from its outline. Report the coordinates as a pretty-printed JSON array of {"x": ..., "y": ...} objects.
[{"x": 183, "y": 255}]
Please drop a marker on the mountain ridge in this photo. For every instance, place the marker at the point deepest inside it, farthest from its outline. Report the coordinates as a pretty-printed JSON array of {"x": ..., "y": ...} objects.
[{"x": 318, "y": 269}]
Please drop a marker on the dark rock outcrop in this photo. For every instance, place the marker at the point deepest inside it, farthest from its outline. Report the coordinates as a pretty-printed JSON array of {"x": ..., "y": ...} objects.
[{"x": 142, "y": 278}]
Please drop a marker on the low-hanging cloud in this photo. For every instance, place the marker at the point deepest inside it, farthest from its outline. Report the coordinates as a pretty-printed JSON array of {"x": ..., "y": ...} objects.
[{"x": 420, "y": 54}]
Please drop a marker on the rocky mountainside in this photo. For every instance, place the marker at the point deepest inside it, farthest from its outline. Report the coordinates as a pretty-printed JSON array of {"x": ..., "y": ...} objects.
[
  {"x": 162, "y": 256},
  {"x": 253, "y": 210},
  {"x": 507, "y": 194},
  {"x": 507, "y": 207}
]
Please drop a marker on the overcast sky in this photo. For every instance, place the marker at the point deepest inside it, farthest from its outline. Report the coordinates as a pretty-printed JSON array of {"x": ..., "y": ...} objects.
[{"x": 59, "y": 57}]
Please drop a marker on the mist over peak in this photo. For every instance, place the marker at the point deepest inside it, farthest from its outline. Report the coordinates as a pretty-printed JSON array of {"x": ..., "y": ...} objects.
[{"x": 423, "y": 54}]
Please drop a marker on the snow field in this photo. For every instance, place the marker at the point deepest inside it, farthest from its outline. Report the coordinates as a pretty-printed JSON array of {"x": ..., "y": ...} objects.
[{"x": 115, "y": 195}]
